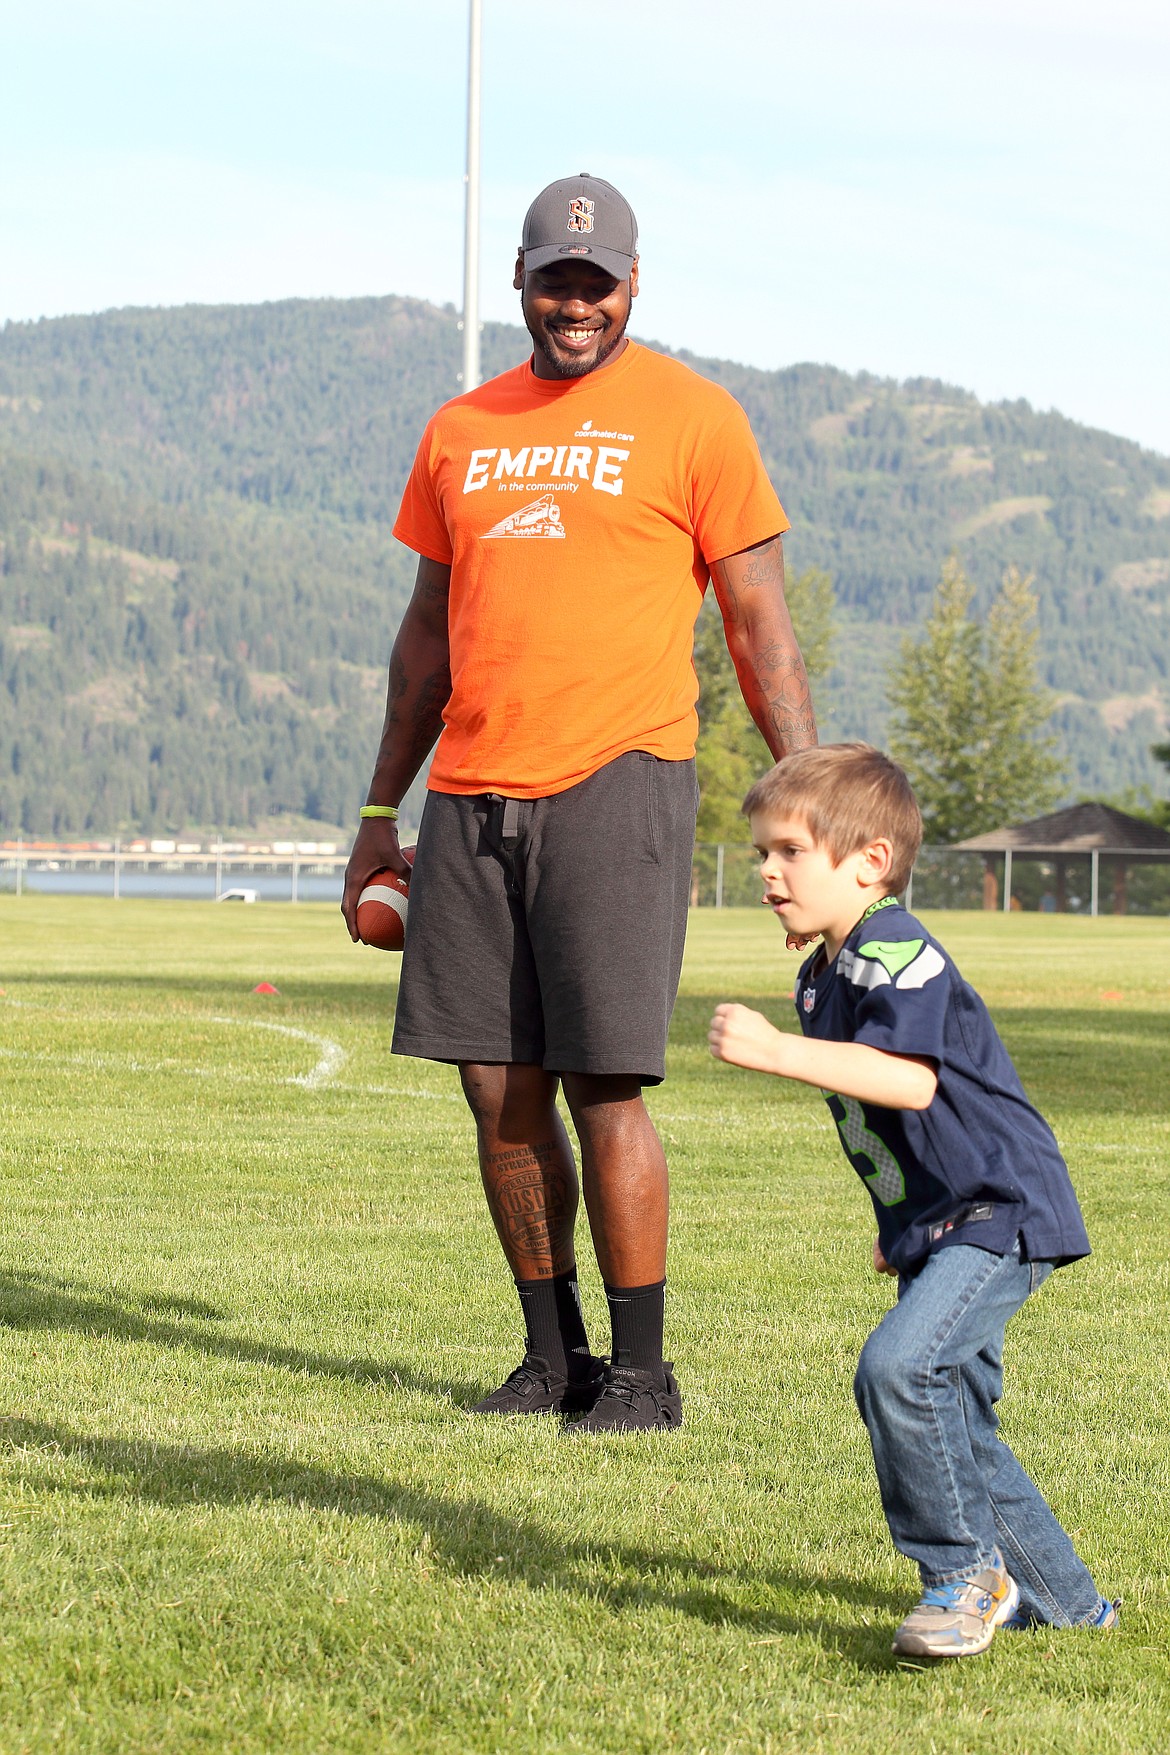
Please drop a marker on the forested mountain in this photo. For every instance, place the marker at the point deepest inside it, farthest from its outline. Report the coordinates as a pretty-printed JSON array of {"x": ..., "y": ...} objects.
[{"x": 198, "y": 586}]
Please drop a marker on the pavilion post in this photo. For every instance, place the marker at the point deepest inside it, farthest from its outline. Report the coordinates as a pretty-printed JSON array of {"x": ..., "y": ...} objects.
[
  {"x": 1094, "y": 881},
  {"x": 1061, "y": 886},
  {"x": 1007, "y": 880}
]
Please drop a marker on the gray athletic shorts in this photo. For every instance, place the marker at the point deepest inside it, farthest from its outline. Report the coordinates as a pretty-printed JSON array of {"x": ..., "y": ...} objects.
[{"x": 549, "y": 931}]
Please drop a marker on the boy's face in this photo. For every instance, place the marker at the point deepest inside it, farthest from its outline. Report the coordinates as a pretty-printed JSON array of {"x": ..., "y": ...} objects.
[{"x": 805, "y": 890}]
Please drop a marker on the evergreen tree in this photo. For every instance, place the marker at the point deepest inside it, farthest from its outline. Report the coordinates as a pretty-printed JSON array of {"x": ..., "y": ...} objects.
[
  {"x": 1161, "y": 811},
  {"x": 969, "y": 712}
]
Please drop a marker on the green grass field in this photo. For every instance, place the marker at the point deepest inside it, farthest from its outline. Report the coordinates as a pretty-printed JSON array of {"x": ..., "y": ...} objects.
[{"x": 247, "y": 1291}]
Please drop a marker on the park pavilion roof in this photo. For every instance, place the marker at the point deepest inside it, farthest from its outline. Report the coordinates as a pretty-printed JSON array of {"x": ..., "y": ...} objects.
[{"x": 1079, "y": 829}]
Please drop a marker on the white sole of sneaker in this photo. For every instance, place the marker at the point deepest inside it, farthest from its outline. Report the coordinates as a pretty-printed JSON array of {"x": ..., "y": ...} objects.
[{"x": 933, "y": 1645}]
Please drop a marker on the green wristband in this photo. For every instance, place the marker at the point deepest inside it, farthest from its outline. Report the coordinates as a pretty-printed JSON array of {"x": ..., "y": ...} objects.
[{"x": 389, "y": 811}]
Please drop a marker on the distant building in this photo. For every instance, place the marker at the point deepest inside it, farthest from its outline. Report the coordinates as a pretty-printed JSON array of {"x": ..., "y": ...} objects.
[{"x": 1107, "y": 836}]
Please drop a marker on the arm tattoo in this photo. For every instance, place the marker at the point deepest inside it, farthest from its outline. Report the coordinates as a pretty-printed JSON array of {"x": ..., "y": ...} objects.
[
  {"x": 419, "y": 720},
  {"x": 794, "y": 725},
  {"x": 751, "y": 570},
  {"x": 433, "y": 587},
  {"x": 783, "y": 692},
  {"x": 419, "y": 683},
  {"x": 763, "y": 565},
  {"x": 772, "y": 677},
  {"x": 435, "y": 693}
]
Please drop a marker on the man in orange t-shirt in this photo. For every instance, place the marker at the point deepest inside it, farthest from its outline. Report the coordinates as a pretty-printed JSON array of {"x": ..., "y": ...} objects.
[{"x": 568, "y": 516}]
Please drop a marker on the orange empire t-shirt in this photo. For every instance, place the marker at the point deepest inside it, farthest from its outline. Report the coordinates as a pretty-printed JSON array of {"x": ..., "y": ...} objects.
[{"x": 578, "y": 517}]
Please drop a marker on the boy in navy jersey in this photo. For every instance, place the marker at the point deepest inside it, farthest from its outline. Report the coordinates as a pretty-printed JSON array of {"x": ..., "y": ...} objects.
[{"x": 973, "y": 1200}]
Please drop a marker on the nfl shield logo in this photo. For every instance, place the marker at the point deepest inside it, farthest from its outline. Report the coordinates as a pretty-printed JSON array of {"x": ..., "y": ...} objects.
[{"x": 808, "y": 998}]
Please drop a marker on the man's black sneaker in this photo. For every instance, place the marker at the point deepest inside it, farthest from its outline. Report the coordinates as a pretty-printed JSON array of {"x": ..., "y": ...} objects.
[
  {"x": 634, "y": 1401},
  {"x": 535, "y": 1388}
]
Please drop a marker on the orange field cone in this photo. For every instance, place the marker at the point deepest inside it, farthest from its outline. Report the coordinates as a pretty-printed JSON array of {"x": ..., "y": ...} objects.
[{"x": 265, "y": 987}]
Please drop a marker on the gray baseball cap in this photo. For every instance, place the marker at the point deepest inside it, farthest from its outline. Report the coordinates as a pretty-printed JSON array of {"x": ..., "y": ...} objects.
[{"x": 581, "y": 216}]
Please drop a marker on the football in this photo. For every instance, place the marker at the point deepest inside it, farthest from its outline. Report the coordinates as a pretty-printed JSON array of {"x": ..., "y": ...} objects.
[{"x": 381, "y": 909}]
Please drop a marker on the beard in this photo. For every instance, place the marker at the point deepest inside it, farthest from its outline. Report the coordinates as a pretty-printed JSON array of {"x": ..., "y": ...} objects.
[{"x": 567, "y": 365}]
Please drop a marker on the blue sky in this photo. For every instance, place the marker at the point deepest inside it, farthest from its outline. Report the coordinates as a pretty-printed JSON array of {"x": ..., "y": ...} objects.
[{"x": 976, "y": 191}]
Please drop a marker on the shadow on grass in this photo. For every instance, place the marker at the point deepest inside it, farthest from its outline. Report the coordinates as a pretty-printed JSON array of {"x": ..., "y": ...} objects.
[
  {"x": 471, "y": 1540},
  {"x": 41, "y": 1301}
]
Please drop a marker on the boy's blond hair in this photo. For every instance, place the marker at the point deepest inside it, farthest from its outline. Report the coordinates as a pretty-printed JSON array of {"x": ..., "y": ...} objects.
[{"x": 846, "y": 794}]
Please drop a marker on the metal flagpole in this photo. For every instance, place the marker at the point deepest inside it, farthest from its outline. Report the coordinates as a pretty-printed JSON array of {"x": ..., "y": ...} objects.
[{"x": 471, "y": 220}]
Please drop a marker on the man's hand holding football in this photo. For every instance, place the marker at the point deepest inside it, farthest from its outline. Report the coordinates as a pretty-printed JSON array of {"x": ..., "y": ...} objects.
[{"x": 375, "y": 848}]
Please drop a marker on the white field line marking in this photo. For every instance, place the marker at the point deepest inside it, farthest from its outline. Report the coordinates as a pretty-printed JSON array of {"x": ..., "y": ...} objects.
[
  {"x": 233, "y": 1075},
  {"x": 126, "y": 1063},
  {"x": 332, "y": 1055},
  {"x": 104, "y": 1062}
]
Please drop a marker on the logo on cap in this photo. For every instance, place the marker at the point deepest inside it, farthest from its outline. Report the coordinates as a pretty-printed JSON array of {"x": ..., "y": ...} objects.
[{"x": 580, "y": 215}]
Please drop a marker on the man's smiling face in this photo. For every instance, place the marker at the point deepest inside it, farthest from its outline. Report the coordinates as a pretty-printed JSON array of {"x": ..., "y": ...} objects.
[{"x": 576, "y": 314}]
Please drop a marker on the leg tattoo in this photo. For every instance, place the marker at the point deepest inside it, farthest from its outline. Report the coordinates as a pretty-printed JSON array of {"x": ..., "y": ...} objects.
[{"x": 532, "y": 1193}]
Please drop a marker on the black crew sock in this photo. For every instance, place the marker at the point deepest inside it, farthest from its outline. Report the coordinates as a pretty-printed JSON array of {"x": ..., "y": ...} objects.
[
  {"x": 553, "y": 1323},
  {"x": 636, "y": 1314}
]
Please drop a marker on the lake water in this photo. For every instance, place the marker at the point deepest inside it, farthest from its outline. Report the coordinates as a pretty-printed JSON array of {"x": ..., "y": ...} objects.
[{"x": 270, "y": 886}]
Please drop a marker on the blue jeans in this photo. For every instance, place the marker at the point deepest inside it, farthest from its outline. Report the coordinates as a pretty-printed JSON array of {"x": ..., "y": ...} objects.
[{"x": 927, "y": 1383}]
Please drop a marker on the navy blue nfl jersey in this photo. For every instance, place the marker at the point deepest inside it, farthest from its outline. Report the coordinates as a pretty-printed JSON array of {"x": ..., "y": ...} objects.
[{"x": 980, "y": 1165}]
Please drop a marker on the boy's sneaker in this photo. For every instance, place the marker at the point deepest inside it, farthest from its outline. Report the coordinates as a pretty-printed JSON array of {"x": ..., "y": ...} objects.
[
  {"x": 960, "y": 1619},
  {"x": 634, "y": 1401},
  {"x": 535, "y": 1388},
  {"x": 1107, "y": 1616}
]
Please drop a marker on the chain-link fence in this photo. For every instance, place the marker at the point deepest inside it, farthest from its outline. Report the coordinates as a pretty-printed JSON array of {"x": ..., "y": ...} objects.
[
  {"x": 724, "y": 875},
  {"x": 727, "y": 875}
]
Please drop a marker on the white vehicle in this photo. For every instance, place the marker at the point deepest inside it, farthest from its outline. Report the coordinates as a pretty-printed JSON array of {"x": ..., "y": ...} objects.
[{"x": 239, "y": 896}]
